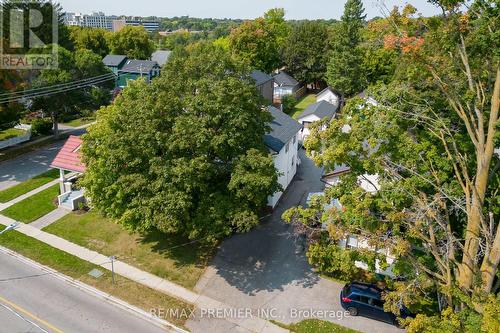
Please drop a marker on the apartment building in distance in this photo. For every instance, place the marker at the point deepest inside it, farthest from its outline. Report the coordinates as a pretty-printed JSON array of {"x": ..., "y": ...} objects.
[
  {"x": 149, "y": 25},
  {"x": 111, "y": 23},
  {"x": 94, "y": 20}
]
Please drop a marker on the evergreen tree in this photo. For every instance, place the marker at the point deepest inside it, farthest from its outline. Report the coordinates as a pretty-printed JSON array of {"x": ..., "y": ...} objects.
[
  {"x": 345, "y": 72},
  {"x": 353, "y": 20}
]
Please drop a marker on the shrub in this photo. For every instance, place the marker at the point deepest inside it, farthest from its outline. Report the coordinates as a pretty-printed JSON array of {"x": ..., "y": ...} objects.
[
  {"x": 289, "y": 102},
  {"x": 330, "y": 259},
  {"x": 87, "y": 114},
  {"x": 41, "y": 126}
]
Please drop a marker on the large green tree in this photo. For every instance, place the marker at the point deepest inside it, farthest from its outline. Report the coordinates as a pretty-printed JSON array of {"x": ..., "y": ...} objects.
[
  {"x": 184, "y": 154},
  {"x": 304, "y": 52},
  {"x": 345, "y": 71},
  {"x": 93, "y": 39},
  {"x": 134, "y": 42},
  {"x": 275, "y": 20},
  {"x": 72, "y": 68},
  {"x": 258, "y": 42}
]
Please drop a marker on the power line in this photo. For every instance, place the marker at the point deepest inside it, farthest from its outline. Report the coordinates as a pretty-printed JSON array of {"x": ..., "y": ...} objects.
[
  {"x": 49, "y": 90},
  {"x": 74, "y": 86},
  {"x": 12, "y": 93}
]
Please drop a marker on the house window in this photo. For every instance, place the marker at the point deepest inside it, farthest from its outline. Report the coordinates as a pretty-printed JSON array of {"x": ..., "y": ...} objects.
[
  {"x": 294, "y": 139},
  {"x": 352, "y": 242},
  {"x": 293, "y": 161},
  {"x": 286, "y": 147}
]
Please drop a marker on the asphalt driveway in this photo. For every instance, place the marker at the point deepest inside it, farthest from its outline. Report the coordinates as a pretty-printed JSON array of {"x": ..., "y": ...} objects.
[
  {"x": 29, "y": 165},
  {"x": 262, "y": 270}
]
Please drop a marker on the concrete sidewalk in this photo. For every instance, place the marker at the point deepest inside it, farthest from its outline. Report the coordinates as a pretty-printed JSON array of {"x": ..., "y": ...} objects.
[
  {"x": 27, "y": 195},
  {"x": 252, "y": 324},
  {"x": 50, "y": 218}
]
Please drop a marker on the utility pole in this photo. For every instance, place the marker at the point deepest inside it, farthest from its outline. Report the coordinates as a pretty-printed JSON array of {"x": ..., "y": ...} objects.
[{"x": 112, "y": 258}]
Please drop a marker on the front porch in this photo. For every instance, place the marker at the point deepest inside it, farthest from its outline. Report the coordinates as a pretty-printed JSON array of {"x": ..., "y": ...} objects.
[
  {"x": 71, "y": 196},
  {"x": 70, "y": 168}
]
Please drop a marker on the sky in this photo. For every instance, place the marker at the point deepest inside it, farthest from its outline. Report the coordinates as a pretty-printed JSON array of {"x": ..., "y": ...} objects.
[{"x": 245, "y": 9}]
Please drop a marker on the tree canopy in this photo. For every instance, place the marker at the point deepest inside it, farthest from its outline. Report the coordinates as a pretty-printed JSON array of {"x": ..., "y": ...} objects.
[
  {"x": 184, "y": 154},
  {"x": 93, "y": 39},
  {"x": 258, "y": 42},
  {"x": 81, "y": 64},
  {"x": 304, "y": 52},
  {"x": 134, "y": 42}
]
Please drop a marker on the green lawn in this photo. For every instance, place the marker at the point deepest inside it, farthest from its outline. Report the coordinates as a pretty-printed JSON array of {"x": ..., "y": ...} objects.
[
  {"x": 155, "y": 252},
  {"x": 302, "y": 105},
  {"x": 80, "y": 121},
  {"x": 132, "y": 292},
  {"x": 34, "y": 207},
  {"x": 28, "y": 185},
  {"x": 316, "y": 326},
  {"x": 11, "y": 133}
]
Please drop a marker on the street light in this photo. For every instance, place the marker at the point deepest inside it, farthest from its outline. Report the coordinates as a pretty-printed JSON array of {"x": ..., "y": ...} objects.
[{"x": 10, "y": 227}]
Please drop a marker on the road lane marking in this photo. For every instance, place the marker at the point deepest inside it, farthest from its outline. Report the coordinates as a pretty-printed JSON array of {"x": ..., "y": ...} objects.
[
  {"x": 29, "y": 314},
  {"x": 17, "y": 314}
]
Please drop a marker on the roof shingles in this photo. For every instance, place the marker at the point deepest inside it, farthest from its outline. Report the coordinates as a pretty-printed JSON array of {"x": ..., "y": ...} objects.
[
  {"x": 260, "y": 77},
  {"x": 139, "y": 66},
  {"x": 284, "y": 79},
  {"x": 114, "y": 60},
  {"x": 283, "y": 128},
  {"x": 68, "y": 158},
  {"x": 321, "y": 109}
]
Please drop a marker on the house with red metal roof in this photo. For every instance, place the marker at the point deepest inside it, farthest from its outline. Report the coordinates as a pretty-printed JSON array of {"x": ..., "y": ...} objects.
[{"x": 68, "y": 161}]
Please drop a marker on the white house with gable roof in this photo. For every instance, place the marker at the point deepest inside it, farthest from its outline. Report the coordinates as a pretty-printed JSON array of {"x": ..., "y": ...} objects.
[
  {"x": 329, "y": 95},
  {"x": 282, "y": 142}
]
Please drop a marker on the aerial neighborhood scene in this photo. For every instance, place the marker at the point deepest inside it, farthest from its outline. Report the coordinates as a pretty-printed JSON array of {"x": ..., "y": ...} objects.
[{"x": 236, "y": 166}]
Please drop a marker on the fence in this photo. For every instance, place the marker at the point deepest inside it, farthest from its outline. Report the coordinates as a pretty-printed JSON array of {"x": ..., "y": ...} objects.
[
  {"x": 298, "y": 94},
  {"x": 18, "y": 139}
]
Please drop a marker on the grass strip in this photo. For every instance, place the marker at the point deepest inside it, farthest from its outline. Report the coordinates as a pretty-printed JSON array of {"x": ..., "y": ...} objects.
[
  {"x": 80, "y": 121},
  {"x": 315, "y": 326},
  {"x": 11, "y": 133},
  {"x": 168, "y": 256},
  {"x": 28, "y": 185},
  {"x": 34, "y": 207}
]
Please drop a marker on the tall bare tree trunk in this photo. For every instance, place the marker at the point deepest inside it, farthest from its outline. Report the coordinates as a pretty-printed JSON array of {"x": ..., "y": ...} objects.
[
  {"x": 491, "y": 259},
  {"x": 490, "y": 263},
  {"x": 471, "y": 245},
  {"x": 484, "y": 152}
]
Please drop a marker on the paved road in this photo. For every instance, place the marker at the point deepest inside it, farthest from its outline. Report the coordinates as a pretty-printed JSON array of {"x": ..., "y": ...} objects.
[
  {"x": 29, "y": 165},
  {"x": 262, "y": 270},
  {"x": 48, "y": 304}
]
